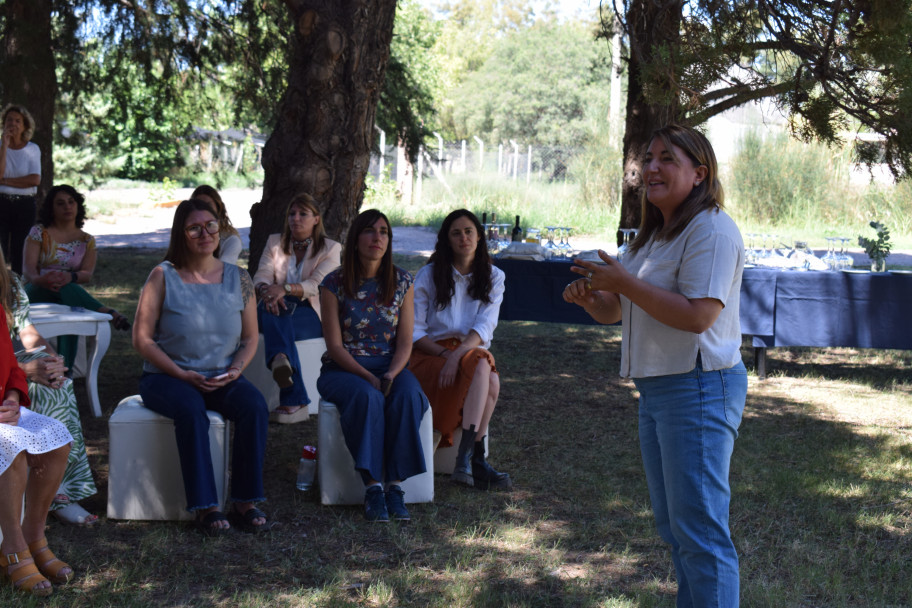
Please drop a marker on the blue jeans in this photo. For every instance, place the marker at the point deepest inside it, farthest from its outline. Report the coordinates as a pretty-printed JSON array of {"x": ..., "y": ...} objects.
[
  {"x": 382, "y": 433},
  {"x": 688, "y": 425},
  {"x": 299, "y": 321},
  {"x": 239, "y": 402}
]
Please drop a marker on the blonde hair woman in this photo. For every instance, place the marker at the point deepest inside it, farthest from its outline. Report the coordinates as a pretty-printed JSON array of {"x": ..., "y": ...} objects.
[{"x": 287, "y": 284}]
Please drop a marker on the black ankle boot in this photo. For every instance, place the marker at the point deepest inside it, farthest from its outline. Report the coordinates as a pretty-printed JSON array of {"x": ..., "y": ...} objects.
[
  {"x": 462, "y": 472},
  {"x": 485, "y": 477}
]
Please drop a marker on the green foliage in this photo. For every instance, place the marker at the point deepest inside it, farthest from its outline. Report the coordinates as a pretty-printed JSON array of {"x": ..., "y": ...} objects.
[
  {"x": 83, "y": 167},
  {"x": 777, "y": 179},
  {"x": 877, "y": 249},
  {"x": 412, "y": 82},
  {"x": 805, "y": 191},
  {"x": 538, "y": 86}
]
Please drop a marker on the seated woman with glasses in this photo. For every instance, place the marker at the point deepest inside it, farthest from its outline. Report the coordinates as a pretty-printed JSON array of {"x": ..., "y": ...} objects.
[
  {"x": 230, "y": 243},
  {"x": 196, "y": 329},
  {"x": 287, "y": 283}
]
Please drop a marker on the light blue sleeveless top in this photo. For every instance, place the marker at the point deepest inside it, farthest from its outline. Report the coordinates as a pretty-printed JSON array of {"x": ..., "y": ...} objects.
[{"x": 200, "y": 325}]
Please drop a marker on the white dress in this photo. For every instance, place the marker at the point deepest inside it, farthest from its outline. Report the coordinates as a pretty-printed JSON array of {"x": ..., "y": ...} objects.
[{"x": 35, "y": 434}]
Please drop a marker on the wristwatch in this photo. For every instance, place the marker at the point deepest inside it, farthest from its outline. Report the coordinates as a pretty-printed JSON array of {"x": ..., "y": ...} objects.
[
  {"x": 288, "y": 288},
  {"x": 74, "y": 277}
]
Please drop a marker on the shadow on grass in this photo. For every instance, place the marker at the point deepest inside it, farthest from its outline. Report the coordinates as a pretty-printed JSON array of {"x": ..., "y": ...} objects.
[{"x": 820, "y": 509}]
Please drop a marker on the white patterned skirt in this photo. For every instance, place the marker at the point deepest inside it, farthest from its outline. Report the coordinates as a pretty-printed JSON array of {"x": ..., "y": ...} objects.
[{"x": 35, "y": 434}]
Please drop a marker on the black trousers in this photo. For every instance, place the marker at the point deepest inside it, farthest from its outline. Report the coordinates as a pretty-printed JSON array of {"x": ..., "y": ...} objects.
[{"x": 17, "y": 216}]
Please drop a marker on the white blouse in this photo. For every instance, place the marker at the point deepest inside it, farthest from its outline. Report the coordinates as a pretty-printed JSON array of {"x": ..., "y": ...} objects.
[
  {"x": 705, "y": 261},
  {"x": 463, "y": 313}
]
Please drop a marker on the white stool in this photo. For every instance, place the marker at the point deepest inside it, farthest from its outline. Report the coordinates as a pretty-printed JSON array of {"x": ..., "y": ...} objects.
[
  {"x": 341, "y": 484},
  {"x": 445, "y": 458},
  {"x": 144, "y": 478},
  {"x": 309, "y": 353}
]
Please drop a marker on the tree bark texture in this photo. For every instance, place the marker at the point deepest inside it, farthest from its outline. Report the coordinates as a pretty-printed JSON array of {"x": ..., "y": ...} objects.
[
  {"x": 321, "y": 144},
  {"x": 28, "y": 75},
  {"x": 649, "y": 24}
]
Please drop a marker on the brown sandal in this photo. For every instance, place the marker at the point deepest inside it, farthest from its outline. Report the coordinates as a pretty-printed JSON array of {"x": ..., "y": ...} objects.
[
  {"x": 25, "y": 577},
  {"x": 48, "y": 564}
]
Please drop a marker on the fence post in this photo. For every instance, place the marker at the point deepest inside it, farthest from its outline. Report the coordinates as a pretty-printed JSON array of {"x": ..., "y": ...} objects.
[
  {"x": 382, "y": 155},
  {"x": 480, "y": 154},
  {"x": 462, "y": 162},
  {"x": 439, "y": 153},
  {"x": 499, "y": 159},
  {"x": 529, "y": 166},
  {"x": 515, "y": 158},
  {"x": 419, "y": 176}
]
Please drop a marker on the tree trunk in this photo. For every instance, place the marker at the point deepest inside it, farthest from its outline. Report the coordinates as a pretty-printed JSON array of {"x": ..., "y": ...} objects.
[
  {"x": 322, "y": 142},
  {"x": 28, "y": 75},
  {"x": 649, "y": 25}
]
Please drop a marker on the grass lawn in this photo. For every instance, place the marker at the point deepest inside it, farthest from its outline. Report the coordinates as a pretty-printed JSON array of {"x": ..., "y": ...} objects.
[{"x": 821, "y": 507}]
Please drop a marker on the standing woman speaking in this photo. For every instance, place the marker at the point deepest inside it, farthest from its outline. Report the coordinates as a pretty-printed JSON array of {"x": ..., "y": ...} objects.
[
  {"x": 677, "y": 292},
  {"x": 20, "y": 174}
]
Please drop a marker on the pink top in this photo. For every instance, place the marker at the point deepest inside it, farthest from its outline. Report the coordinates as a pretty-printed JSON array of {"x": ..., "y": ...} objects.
[{"x": 60, "y": 256}]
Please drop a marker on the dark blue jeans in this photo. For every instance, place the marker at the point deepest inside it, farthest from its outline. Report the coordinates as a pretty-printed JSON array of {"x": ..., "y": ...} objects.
[
  {"x": 241, "y": 403},
  {"x": 299, "y": 321},
  {"x": 382, "y": 433}
]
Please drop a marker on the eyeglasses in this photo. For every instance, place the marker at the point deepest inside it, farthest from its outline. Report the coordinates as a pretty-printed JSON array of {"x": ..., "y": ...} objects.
[{"x": 196, "y": 230}]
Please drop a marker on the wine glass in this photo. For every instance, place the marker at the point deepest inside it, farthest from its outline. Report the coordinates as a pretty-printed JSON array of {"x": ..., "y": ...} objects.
[
  {"x": 845, "y": 259},
  {"x": 830, "y": 257},
  {"x": 550, "y": 244},
  {"x": 625, "y": 242},
  {"x": 567, "y": 247}
]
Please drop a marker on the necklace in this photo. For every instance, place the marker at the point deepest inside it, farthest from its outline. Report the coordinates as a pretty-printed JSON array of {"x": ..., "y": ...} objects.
[{"x": 301, "y": 244}]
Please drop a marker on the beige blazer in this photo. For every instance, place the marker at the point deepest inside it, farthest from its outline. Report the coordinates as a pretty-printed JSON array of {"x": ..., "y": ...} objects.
[{"x": 274, "y": 262}]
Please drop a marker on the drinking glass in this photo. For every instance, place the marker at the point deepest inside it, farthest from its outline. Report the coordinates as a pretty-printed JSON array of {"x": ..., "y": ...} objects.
[
  {"x": 846, "y": 261},
  {"x": 625, "y": 242},
  {"x": 830, "y": 257}
]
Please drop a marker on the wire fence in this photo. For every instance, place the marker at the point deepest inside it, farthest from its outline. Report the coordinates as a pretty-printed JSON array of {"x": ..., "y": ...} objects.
[{"x": 511, "y": 160}]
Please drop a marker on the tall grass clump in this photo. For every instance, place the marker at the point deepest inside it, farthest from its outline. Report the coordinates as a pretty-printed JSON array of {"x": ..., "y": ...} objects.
[
  {"x": 587, "y": 200},
  {"x": 808, "y": 191},
  {"x": 777, "y": 180}
]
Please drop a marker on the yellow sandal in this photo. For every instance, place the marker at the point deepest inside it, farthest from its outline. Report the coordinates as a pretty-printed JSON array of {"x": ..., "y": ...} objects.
[
  {"x": 25, "y": 577},
  {"x": 48, "y": 564}
]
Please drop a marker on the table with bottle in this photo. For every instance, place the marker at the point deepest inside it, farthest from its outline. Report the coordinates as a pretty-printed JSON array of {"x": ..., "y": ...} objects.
[{"x": 789, "y": 297}]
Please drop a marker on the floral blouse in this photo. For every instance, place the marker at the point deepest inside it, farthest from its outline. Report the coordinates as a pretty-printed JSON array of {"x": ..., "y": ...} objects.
[
  {"x": 60, "y": 256},
  {"x": 368, "y": 327}
]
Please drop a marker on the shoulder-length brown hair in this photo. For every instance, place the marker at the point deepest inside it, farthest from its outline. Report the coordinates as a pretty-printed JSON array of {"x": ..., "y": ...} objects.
[
  {"x": 29, "y": 122},
  {"x": 225, "y": 225},
  {"x": 351, "y": 263},
  {"x": 442, "y": 259},
  {"x": 46, "y": 207},
  {"x": 178, "y": 252},
  {"x": 707, "y": 195},
  {"x": 319, "y": 234}
]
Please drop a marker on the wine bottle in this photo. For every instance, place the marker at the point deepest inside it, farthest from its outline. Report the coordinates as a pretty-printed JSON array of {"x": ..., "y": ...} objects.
[
  {"x": 492, "y": 233},
  {"x": 516, "y": 235}
]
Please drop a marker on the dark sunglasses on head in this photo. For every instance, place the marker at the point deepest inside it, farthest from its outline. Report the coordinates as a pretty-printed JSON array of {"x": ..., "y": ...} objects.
[{"x": 196, "y": 230}]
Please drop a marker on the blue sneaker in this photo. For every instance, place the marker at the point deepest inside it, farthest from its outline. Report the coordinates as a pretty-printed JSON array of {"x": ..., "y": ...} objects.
[
  {"x": 375, "y": 505},
  {"x": 395, "y": 504}
]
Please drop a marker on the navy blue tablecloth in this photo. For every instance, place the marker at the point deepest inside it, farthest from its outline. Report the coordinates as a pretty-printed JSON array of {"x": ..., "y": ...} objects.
[{"x": 778, "y": 307}]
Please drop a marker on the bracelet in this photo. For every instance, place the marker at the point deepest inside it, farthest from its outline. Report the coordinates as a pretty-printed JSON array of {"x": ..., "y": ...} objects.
[
  {"x": 74, "y": 277},
  {"x": 235, "y": 367},
  {"x": 441, "y": 353}
]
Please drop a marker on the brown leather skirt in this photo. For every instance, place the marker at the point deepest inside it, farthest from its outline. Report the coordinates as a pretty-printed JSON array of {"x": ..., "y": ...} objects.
[{"x": 446, "y": 403}]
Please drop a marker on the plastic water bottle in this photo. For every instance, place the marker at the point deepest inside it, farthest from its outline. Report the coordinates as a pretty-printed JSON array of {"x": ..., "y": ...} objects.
[{"x": 307, "y": 467}]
